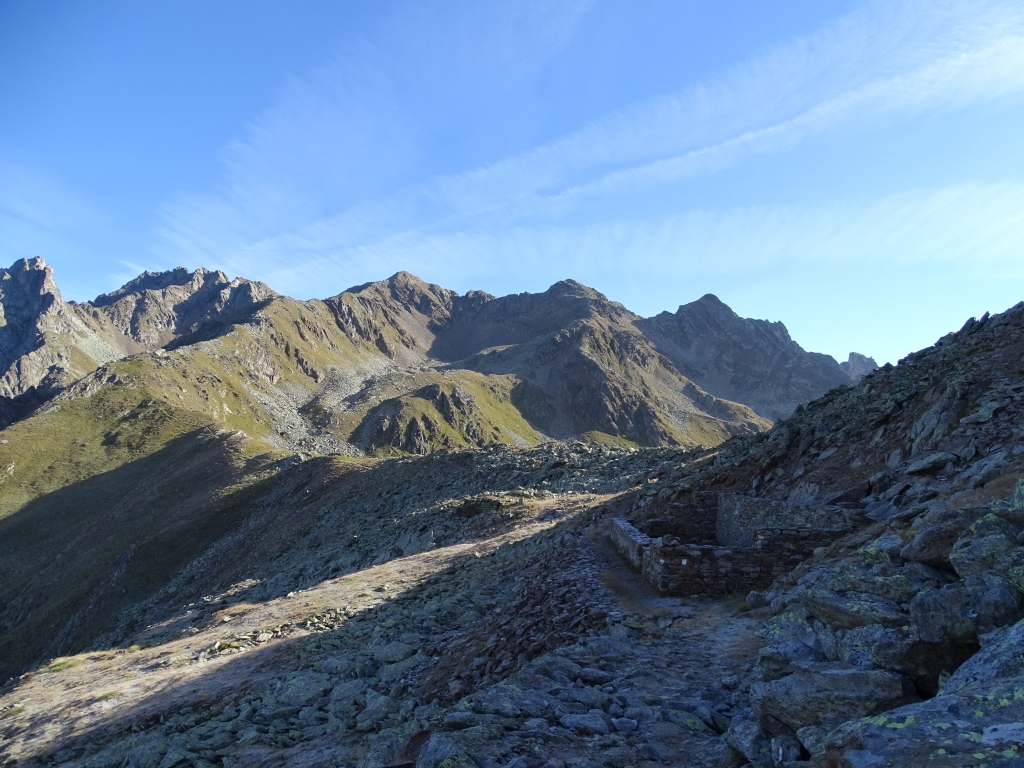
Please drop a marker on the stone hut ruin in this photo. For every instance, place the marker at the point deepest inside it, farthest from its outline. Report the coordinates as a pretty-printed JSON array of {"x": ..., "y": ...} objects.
[{"x": 725, "y": 543}]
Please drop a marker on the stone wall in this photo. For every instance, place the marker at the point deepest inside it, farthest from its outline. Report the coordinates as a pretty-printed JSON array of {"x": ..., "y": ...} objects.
[
  {"x": 739, "y": 518},
  {"x": 688, "y": 569},
  {"x": 795, "y": 541},
  {"x": 629, "y": 541},
  {"x": 724, "y": 544}
]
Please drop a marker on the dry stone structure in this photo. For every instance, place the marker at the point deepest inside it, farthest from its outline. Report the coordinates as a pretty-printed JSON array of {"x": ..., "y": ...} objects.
[{"x": 723, "y": 544}]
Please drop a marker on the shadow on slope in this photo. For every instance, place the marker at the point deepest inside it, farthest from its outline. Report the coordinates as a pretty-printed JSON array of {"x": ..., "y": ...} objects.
[
  {"x": 218, "y": 325},
  {"x": 312, "y": 697},
  {"x": 74, "y": 558}
]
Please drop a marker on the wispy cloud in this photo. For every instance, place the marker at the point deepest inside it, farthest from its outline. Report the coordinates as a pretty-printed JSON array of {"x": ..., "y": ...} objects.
[
  {"x": 297, "y": 200},
  {"x": 355, "y": 129},
  {"x": 40, "y": 201},
  {"x": 980, "y": 224}
]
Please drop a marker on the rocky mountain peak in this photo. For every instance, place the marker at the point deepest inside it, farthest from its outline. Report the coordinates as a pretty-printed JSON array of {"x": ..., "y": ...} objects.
[
  {"x": 755, "y": 362},
  {"x": 27, "y": 288},
  {"x": 157, "y": 307},
  {"x": 858, "y": 366},
  {"x": 713, "y": 313},
  {"x": 46, "y": 343},
  {"x": 31, "y": 307},
  {"x": 403, "y": 290},
  {"x": 712, "y": 302},
  {"x": 179, "y": 277},
  {"x": 574, "y": 289}
]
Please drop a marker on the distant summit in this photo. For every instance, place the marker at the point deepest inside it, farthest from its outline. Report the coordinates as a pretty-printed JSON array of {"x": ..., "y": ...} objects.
[
  {"x": 47, "y": 343},
  {"x": 858, "y": 366},
  {"x": 754, "y": 362}
]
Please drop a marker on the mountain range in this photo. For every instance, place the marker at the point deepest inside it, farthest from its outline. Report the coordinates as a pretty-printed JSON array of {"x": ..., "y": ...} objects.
[
  {"x": 157, "y": 404},
  {"x": 413, "y": 366},
  {"x": 377, "y": 530}
]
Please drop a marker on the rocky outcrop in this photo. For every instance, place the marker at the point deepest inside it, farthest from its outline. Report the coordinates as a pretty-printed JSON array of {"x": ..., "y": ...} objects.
[
  {"x": 869, "y": 633},
  {"x": 748, "y": 361},
  {"x": 858, "y": 366},
  {"x": 46, "y": 343},
  {"x": 178, "y": 306}
]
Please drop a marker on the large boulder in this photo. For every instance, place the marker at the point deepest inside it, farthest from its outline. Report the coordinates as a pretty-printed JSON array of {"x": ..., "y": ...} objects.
[
  {"x": 1010, "y": 566},
  {"x": 977, "y": 719},
  {"x": 827, "y": 693},
  {"x": 745, "y": 736},
  {"x": 852, "y": 609},
  {"x": 959, "y": 612},
  {"x": 937, "y": 534},
  {"x": 792, "y": 624},
  {"x": 901, "y": 650},
  {"x": 378, "y": 708},
  {"x": 892, "y": 581},
  {"x": 981, "y": 546},
  {"x": 1001, "y": 657},
  {"x": 776, "y": 661}
]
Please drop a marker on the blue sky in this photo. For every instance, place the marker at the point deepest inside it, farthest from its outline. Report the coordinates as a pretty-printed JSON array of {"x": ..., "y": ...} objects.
[{"x": 854, "y": 169}]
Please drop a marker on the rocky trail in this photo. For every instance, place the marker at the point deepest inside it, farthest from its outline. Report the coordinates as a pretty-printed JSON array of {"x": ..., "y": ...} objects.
[{"x": 439, "y": 651}]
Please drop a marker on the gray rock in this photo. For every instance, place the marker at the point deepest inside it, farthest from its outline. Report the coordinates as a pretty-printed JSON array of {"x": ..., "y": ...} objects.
[
  {"x": 299, "y": 689},
  {"x": 745, "y": 736},
  {"x": 775, "y": 661},
  {"x": 1010, "y": 566},
  {"x": 757, "y": 599},
  {"x": 552, "y": 665},
  {"x": 982, "y": 544},
  {"x": 592, "y": 676},
  {"x": 930, "y": 463},
  {"x": 460, "y": 718},
  {"x": 813, "y": 738},
  {"x": 1017, "y": 499},
  {"x": 443, "y": 749},
  {"x": 377, "y": 708},
  {"x": 497, "y": 701},
  {"x": 980, "y": 725},
  {"x": 936, "y": 537},
  {"x": 344, "y": 701},
  {"x": 999, "y": 658},
  {"x": 624, "y": 724},
  {"x": 853, "y": 609},
  {"x": 392, "y": 653},
  {"x": 901, "y": 650},
  {"x": 148, "y": 755},
  {"x": 588, "y": 724},
  {"x": 826, "y": 693},
  {"x": 790, "y": 625},
  {"x": 961, "y": 611},
  {"x": 785, "y": 749},
  {"x": 698, "y": 719}
]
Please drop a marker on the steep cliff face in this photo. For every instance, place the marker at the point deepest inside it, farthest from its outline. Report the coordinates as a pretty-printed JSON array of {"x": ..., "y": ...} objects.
[
  {"x": 754, "y": 362},
  {"x": 158, "y": 309},
  {"x": 44, "y": 342},
  {"x": 858, "y": 366}
]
